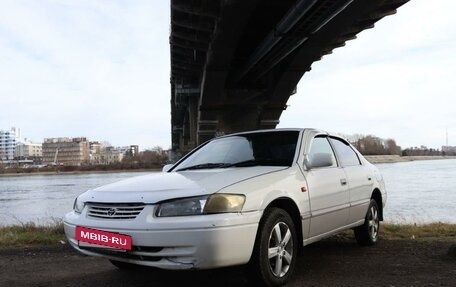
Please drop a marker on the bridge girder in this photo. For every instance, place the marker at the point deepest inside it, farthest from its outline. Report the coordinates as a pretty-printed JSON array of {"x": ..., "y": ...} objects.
[{"x": 234, "y": 63}]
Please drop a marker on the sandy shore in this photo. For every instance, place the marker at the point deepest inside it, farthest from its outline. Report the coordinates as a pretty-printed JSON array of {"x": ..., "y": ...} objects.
[{"x": 397, "y": 158}]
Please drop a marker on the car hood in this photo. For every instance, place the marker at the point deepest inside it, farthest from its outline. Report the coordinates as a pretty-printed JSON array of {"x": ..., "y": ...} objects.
[{"x": 157, "y": 187}]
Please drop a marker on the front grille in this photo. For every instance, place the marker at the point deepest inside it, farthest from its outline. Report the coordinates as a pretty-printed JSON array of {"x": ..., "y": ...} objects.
[{"x": 115, "y": 210}]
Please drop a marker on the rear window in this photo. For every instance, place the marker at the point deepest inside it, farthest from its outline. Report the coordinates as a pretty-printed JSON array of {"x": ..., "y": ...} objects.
[{"x": 347, "y": 156}]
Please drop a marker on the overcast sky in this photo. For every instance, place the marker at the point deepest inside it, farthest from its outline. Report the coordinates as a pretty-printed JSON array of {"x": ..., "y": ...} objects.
[{"x": 100, "y": 69}]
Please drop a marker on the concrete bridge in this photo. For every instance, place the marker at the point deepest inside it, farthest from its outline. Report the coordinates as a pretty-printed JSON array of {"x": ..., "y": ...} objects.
[{"x": 235, "y": 63}]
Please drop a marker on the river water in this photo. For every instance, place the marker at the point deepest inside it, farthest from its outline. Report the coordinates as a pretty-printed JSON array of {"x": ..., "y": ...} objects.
[
  {"x": 418, "y": 192},
  {"x": 45, "y": 198}
]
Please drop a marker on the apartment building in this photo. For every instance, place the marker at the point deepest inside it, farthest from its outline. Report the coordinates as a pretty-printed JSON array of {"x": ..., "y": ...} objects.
[
  {"x": 66, "y": 151},
  {"x": 28, "y": 150},
  {"x": 130, "y": 151},
  {"x": 108, "y": 155},
  {"x": 8, "y": 140}
]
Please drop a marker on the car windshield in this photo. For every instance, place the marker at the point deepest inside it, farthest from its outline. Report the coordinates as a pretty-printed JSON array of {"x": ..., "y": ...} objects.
[{"x": 267, "y": 148}]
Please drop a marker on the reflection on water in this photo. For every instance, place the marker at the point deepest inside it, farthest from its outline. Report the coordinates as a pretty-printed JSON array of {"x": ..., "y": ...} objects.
[{"x": 418, "y": 192}]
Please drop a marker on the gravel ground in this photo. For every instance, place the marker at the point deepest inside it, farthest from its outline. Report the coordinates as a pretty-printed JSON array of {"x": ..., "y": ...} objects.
[{"x": 333, "y": 262}]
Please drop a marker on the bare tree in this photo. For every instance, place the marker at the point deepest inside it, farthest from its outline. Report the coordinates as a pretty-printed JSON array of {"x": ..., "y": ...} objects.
[{"x": 372, "y": 145}]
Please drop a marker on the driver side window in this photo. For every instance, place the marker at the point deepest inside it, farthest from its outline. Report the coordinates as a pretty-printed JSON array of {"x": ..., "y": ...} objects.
[{"x": 321, "y": 149}]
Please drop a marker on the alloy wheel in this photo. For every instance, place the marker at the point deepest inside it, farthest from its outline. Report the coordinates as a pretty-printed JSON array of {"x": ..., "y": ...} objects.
[
  {"x": 280, "y": 250},
  {"x": 373, "y": 223}
]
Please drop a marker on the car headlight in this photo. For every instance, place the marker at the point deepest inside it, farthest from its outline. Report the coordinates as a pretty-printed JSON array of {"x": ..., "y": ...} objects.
[
  {"x": 215, "y": 203},
  {"x": 218, "y": 203},
  {"x": 78, "y": 205}
]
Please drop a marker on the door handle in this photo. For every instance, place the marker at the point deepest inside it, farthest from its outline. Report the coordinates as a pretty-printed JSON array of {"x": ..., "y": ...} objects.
[{"x": 343, "y": 181}]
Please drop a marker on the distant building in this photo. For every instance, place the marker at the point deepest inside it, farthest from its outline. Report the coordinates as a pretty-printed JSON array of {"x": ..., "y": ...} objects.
[
  {"x": 94, "y": 147},
  {"x": 130, "y": 151},
  {"x": 449, "y": 150},
  {"x": 8, "y": 140},
  {"x": 66, "y": 151},
  {"x": 28, "y": 150},
  {"x": 108, "y": 155}
]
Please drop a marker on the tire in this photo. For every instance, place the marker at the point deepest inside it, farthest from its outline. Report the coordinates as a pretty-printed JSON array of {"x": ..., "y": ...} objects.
[
  {"x": 276, "y": 248},
  {"x": 367, "y": 234}
]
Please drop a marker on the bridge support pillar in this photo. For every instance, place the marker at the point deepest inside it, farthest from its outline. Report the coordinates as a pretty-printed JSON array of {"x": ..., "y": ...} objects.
[
  {"x": 193, "y": 120},
  {"x": 232, "y": 119},
  {"x": 237, "y": 119}
]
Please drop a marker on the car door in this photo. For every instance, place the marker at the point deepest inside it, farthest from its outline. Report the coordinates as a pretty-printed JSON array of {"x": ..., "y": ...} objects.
[
  {"x": 359, "y": 178},
  {"x": 328, "y": 192}
]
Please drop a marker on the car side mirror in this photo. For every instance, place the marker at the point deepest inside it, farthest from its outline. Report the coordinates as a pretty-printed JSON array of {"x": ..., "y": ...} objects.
[
  {"x": 317, "y": 160},
  {"x": 167, "y": 167}
]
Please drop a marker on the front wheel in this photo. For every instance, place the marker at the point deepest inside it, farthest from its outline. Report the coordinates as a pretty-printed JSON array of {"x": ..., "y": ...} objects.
[
  {"x": 276, "y": 247},
  {"x": 367, "y": 234}
]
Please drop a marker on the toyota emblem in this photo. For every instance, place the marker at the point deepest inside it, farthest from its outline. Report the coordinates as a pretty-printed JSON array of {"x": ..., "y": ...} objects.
[{"x": 112, "y": 211}]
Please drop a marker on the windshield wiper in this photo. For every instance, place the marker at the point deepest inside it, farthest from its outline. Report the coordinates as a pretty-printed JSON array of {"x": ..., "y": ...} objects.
[
  {"x": 250, "y": 162},
  {"x": 245, "y": 163},
  {"x": 203, "y": 166},
  {"x": 255, "y": 162}
]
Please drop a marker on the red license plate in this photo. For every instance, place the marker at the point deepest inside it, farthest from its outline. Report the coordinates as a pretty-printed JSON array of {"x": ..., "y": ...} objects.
[{"x": 104, "y": 238}]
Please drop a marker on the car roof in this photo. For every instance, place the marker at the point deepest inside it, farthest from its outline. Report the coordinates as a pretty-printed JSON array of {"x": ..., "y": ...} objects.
[
  {"x": 311, "y": 132},
  {"x": 315, "y": 131}
]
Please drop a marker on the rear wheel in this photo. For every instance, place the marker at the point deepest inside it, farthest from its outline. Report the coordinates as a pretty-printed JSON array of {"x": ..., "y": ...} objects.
[
  {"x": 367, "y": 234},
  {"x": 276, "y": 248}
]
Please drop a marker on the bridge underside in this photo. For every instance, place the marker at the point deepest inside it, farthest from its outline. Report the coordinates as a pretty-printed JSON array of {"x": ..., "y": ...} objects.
[{"x": 234, "y": 63}]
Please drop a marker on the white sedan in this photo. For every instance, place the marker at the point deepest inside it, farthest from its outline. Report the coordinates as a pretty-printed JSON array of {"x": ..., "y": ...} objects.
[{"x": 251, "y": 198}]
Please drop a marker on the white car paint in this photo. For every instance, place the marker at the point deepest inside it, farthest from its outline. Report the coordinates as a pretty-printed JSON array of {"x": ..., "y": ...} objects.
[
  {"x": 215, "y": 240},
  {"x": 155, "y": 187}
]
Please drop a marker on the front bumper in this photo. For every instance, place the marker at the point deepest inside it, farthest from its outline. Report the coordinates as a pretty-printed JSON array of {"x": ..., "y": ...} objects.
[{"x": 190, "y": 242}]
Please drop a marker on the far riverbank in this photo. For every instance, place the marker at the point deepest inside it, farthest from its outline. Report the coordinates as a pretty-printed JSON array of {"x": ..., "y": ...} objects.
[
  {"x": 79, "y": 172},
  {"x": 397, "y": 158},
  {"x": 374, "y": 159}
]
